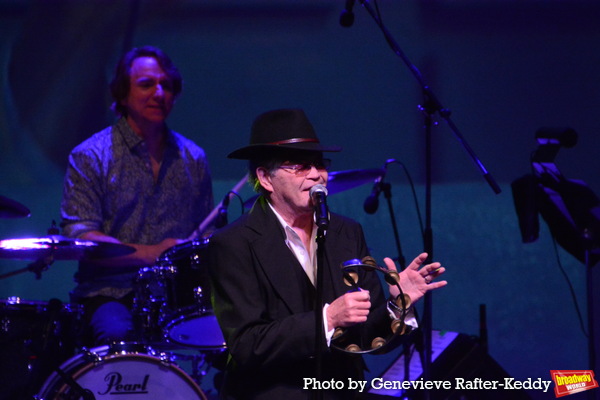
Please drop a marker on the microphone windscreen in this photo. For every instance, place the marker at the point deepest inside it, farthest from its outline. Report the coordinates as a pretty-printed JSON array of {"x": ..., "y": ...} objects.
[
  {"x": 371, "y": 204},
  {"x": 318, "y": 189}
]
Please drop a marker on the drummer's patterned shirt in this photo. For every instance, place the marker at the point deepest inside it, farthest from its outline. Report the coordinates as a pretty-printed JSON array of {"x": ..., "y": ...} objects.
[{"x": 109, "y": 186}]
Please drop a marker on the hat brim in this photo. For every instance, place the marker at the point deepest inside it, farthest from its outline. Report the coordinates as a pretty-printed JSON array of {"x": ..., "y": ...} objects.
[{"x": 260, "y": 150}]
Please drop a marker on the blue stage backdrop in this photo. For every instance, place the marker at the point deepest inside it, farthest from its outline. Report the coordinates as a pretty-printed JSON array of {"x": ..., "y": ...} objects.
[{"x": 503, "y": 68}]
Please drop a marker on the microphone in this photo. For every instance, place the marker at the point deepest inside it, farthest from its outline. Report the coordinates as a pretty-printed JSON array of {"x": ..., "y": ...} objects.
[
  {"x": 318, "y": 194},
  {"x": 347, "y": 16},
  {"x": 372, "y": 202},
  {"x": 221, "y": 219}
]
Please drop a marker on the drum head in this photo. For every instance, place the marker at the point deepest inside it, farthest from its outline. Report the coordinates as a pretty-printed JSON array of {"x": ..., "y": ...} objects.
[
  {"x": 111, "y": 376},
  {"x": 199, "y": 330}
]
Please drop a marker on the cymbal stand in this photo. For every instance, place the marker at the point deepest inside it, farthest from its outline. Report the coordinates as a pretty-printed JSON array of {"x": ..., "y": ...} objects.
[
  {"x": 41, "y": 264},
  {"x": 431, "y": 106},
  {"x": 37, "y": 267}
]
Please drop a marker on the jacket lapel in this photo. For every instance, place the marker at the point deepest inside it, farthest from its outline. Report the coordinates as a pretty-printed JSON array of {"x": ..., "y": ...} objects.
[
  {"x": 333, "y": 279},
  {"x": 275, "y": 258}
]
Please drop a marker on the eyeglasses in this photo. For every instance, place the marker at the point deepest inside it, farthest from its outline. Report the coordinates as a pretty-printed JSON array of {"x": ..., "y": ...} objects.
[{"x": 305, "y": 168}]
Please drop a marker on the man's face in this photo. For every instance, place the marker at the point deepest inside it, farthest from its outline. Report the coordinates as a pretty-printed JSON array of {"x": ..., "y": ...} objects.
[
  {"x": 291, "y": 182},
  {"x": 150, "y": 98}
]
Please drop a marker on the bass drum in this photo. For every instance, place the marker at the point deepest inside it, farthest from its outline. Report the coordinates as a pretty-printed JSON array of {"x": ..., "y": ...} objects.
[{"x": 109, "y": 372}]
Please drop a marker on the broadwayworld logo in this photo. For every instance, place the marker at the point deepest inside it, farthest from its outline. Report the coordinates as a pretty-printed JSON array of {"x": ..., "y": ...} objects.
[{"x": 572, "y": 381}]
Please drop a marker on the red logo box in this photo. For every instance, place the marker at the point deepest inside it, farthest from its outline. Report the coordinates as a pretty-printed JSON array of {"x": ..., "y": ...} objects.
[{"x": 572, "y": 381}]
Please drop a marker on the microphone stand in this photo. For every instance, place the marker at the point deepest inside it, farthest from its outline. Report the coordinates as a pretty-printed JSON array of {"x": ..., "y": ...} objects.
[
  {"x": 319, "y": 335},
  {"x": 431, "y": 106},
  {"x": 210, "y": 219},
  {"x": 386, "y": 188}
]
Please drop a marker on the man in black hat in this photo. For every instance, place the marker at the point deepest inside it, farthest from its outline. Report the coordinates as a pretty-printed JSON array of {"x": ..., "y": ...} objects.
[{"x": 263, "y": 274}]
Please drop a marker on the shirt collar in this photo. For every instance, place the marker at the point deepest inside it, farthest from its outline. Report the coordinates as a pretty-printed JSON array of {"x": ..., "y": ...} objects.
[
  {"x": 132, "y": 140},
  {"x": 286, "y": 227}
]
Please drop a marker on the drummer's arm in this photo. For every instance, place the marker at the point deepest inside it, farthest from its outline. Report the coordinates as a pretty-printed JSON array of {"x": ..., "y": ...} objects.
[{"x": 144, "y": 254}]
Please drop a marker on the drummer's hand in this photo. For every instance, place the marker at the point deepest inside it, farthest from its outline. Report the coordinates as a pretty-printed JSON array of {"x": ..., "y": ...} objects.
[
  {"x": 148, "y": 254},
  {"x": 144, "y": 254}
]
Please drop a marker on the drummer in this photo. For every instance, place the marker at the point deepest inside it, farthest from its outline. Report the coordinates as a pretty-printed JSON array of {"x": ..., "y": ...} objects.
[{"x": 136, "y": 182}]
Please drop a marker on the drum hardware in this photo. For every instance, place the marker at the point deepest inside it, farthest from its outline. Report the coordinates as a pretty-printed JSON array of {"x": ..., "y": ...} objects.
[
  {"x": 79, "y": 391},
  {"x": 200, "y": 363}
]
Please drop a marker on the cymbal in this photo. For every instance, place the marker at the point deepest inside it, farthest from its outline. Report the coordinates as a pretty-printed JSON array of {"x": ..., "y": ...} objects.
[
  {"x": 12, "y": 209},
  {"x": 340, "y": 181},
  {"x": 60, "y": 248}
]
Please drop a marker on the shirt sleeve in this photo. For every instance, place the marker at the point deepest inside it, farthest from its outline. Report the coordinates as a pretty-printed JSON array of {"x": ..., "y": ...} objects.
[{"x": 81, "y": 208}]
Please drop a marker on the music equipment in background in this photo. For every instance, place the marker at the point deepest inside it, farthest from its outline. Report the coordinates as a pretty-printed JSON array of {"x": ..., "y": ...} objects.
[
  {"x": 172, "y": 314},
  {"x": 35, "y": 337},
  {"x": 454, "y": 355},
  {"x": 172, "y": 300},
  {"x": 47, "y": 249},
  {"x": 570, "y": 208}
]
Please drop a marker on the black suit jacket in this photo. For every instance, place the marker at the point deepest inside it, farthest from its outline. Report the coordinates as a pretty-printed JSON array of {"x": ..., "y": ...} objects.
[{"x": 264, "y": 303}]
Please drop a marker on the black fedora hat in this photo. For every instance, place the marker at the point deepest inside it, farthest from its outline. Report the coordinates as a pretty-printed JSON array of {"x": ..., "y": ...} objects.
[{"x": 284, "y": 129}]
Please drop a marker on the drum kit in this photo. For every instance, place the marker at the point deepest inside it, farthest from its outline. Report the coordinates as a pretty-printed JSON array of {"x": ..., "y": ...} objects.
[{"x": 42, "y": 354}]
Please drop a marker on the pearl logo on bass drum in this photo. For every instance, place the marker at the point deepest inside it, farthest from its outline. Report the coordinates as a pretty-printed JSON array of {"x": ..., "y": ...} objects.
[
  {"x": 115, "y": 385},
  {"x": 121, "y": 371}
]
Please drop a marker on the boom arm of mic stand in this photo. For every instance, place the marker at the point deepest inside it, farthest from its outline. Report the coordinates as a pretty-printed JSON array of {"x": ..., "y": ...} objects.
[{"x": 433, "y": 104}]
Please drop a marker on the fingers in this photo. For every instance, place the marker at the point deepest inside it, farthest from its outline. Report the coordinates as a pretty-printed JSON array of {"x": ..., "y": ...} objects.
[
  {"x": 436, "y": 285},
  {"x": 359, "y": 296},
  {"x": 390, "y": 264},
  {"x": 350, "y": 309},
  {"x": 416, "y": 263},
  {"x": 432, "y": 269},
  {"x": 430, "y": 272}
]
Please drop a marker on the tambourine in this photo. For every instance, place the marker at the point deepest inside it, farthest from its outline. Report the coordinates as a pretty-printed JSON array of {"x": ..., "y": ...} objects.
[{"x": 351, "y": 340}]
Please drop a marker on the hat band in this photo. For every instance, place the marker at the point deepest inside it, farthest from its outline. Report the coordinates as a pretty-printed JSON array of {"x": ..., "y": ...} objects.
[{"x": 296, "y": 140}]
